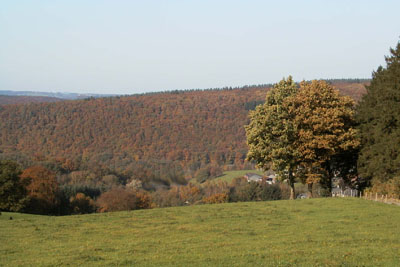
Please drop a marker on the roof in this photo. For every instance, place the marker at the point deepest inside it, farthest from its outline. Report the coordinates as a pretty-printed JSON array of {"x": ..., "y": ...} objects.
[{"x": 253, "y": 176}]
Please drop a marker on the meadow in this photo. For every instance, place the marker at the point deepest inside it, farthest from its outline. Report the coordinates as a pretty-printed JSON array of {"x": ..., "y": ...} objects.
[
  {"x": 309, "y": 232},
  {"x": 228, "y": 176}
]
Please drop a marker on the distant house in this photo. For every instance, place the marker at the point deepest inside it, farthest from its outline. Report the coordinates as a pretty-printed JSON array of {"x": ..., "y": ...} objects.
[{"x": 253, "y": 177}]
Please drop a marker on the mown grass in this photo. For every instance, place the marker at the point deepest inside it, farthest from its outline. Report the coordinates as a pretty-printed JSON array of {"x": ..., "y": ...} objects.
[
  {"x": 228, "y": 176},
  {"x": 311, "y": 232}
]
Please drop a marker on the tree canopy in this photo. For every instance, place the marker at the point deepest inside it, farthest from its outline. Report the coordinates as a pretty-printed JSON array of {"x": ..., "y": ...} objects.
[
  {"x": 303, "y": 132},
  {"x": 13, "y": 195},
  {"x": 325, "y": 128},
  {"x": 271, "y": 134},
  {"x": 42, "y": 188}
]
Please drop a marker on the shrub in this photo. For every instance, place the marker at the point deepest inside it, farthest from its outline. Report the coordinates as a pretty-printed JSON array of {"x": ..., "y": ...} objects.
[
  {"x": 216, "y": 198},
  {"x": 81, "y": 204},
  {"x": 270, "y": 192},
  {"x": 119, "y": 199},
  {"x": 390, "y": 188}
]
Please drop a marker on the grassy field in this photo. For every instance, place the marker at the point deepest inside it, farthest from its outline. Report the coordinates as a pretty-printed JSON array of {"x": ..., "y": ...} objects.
[
  {"x": 228, "y": 176},
  {"x": 310, "y": 232}
]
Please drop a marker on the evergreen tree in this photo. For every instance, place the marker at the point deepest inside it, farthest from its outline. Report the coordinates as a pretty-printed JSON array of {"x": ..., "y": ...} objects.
[{"x": 378, "y": 115}]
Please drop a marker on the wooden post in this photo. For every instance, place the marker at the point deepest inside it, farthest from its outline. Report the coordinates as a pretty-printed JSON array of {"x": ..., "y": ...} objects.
[{"x": 376, "y": 196}]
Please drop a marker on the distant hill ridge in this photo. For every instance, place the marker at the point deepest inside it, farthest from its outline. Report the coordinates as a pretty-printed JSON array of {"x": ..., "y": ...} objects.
[
  {"x": 72, "y": 96},
  {"x": 192, "y": 127},
  {"x": 10, "y": 99},
  {"x": 60, "y": 95}
]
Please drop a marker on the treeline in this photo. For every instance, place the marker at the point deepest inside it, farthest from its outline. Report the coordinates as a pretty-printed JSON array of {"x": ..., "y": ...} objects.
[
  {"x": 39, "y": 190},
  {"x": 8, "y": 100}
]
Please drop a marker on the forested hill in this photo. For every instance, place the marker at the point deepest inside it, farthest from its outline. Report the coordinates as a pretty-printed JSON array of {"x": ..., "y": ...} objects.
[
  {"x": 191, "y": 127},
  {"x": 8, "y": 99}
]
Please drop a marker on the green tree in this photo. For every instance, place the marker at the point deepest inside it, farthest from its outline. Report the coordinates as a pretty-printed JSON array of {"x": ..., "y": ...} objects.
[
  {"x": 13, "y": 195},
  {"x": 306, "y": 133},
  {"x": 271, "y": 133},
  {"x": 81, "y": 204},
  {"x": 325, "y": 132},
  {"x": 378, "y": 115}
]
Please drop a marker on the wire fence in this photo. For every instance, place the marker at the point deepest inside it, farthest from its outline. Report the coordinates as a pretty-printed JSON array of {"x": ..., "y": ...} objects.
[{"x": 389, "y": 199}]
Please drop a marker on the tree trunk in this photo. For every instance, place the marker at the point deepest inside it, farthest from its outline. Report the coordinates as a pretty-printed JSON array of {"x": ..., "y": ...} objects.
[
  {"x": 330, "y": 175},
  {"x": 310, "y": 185},
  {"x": 291, "y": 184}
]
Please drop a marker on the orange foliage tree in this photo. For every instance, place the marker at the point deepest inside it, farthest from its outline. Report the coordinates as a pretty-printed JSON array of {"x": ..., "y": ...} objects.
[{"x": 42, "y": 188}]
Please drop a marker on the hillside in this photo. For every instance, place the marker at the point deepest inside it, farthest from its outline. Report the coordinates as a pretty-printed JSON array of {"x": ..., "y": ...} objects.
[
  {"x": 315, "y": 232},
  {"x": 60, "y": 95},
  {"x": 6, "y": 99},
  {"x": 189, "y": 127}
]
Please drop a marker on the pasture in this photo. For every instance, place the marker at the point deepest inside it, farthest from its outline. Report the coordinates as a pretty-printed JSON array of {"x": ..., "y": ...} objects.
[{"x": 310, "y": 232}]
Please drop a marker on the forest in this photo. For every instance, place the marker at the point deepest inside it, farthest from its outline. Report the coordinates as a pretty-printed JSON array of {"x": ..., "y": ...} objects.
[
  {"x": 91, "y": 151},
  {"x": 190, "y": 128}
]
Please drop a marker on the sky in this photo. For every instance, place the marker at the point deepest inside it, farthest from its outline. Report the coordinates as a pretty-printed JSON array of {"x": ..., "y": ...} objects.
[{"x": 127, "y": 47}]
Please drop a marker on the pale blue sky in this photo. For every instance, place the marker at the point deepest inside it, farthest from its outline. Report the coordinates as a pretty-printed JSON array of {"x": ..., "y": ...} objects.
[{"x": 131, "y": 47}]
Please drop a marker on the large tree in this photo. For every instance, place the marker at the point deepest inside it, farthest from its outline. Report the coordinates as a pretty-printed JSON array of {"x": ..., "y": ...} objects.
[
  {"x": 378, "y": 114},
  {"x": 13, "y": 195},
  {"x": 271, "y": 133},
  {"x": 325, "y": 132},
  {"x": 42, "y": 189},
  {"x": 305, "y": 132}
]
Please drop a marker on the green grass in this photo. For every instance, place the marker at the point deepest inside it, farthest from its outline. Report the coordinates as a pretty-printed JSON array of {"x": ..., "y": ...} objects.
[
  {"x": 228, "y": 176},
  {"x": 311, "y": 232}
]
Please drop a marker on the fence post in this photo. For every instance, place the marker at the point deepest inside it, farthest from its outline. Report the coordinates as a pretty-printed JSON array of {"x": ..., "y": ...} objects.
[{"x": 376, "y": 196}]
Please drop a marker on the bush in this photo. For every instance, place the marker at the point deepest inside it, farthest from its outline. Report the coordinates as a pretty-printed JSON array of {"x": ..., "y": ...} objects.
[
  {"x": 270, "y": 192},
  {"x": 244, "y": 191},
  {"x": 217, "y": 198},
  {"x": 119, "y": 199},
  {"x": 81, "y": 204},
  {"x": 390, "y": 188}
]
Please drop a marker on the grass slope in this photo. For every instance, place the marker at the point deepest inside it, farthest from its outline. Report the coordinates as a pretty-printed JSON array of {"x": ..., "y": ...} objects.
[
  {"x": 327, "y": 232},
  {"x": 228, "y": 176}
]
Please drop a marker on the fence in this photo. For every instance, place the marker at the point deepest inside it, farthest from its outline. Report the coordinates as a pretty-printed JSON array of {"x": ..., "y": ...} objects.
[
  {"x": 336, "y": 192},
  {"x": 389, "y": 199}
]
